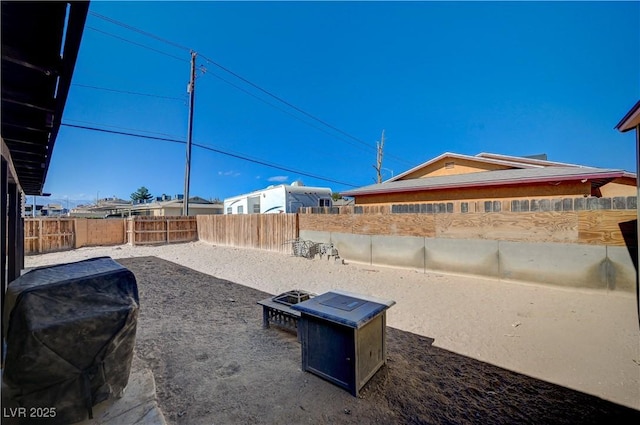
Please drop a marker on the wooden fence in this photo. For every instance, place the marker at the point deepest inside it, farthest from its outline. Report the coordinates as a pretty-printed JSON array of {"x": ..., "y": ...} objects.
[
  {"x": 142, "y": 230},
  {"x": 272, "y": 232},
  {"x": 275, "y": 232},
  {"x": 43, "y": 235}
]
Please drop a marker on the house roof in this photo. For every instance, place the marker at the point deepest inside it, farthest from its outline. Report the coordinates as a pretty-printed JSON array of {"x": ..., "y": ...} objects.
[
  {"x": 597, "y": 176},
  {"x": 489, "y": 158},
  {"x": 525, "y": 160},
  {"x": 631, "y": 120},
  {"x": 465, "y": 157},
  {"x": 196, "y": 202},
  {"x": 40, "y": 43}
]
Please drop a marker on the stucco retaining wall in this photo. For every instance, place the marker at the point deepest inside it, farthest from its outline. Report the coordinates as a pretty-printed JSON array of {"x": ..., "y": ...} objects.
[{"x": 563, "y": 264}]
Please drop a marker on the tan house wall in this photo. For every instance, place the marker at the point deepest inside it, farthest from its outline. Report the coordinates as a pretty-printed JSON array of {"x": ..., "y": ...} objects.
[
  {"x": 624, "y": 186},
  {"x": 568, "y": 189},
  {"x": 460, "y": 166}
]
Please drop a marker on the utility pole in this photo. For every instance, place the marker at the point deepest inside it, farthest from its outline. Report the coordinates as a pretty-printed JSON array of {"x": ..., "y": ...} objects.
[
  {"x": 187, "y": 173},
  {"x": 378, "y": 165}
]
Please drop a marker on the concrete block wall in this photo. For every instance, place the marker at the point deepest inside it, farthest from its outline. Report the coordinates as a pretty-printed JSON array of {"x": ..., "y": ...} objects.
[{"x": 569, "y": 265}]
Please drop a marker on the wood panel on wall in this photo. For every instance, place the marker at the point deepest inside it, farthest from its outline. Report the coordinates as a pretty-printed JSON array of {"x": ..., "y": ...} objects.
[
  {"x": 395, "y": 224},
  {"x": 603, "y": 227},
  {"x": 371, "y": 224},
  {"x": 510, "y": 226}
]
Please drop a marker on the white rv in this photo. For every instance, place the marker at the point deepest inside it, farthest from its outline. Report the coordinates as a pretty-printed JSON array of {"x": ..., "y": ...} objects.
[{"x": 279, "y": 199}]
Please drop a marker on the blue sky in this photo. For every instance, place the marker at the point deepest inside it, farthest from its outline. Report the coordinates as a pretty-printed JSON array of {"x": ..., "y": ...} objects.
[{"x": 466, "y": 77}]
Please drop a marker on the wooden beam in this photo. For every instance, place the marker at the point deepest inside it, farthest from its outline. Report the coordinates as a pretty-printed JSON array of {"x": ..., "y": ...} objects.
[
  {"x": 4, "y": 183},
  {"x": 13, "y": 266},
  {"x": 45, "y": 104},
  {"x": 6, "y": 156},
  {"x": 19, "y": 58}
]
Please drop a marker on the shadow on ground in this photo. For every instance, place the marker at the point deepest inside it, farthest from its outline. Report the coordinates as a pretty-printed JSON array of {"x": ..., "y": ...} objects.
[{"x": 213, "y": 363}]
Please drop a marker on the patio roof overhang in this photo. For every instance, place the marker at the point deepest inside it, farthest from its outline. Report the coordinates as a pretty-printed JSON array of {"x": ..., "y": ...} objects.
[
  {"x": 631, "y": 120},
  {"x": 40, "y": 44}
]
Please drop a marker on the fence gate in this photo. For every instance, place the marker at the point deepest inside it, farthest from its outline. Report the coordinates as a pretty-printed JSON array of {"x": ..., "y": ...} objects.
[
  {"x": 42, "y": 235},
  {"x": 143, "y": 230}
]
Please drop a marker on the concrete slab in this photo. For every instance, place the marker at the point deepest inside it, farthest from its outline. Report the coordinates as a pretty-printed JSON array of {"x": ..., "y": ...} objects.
[
  {"x": 137, "y": 406},
  {"x": 469, "y": 256},
  {"x": 353, "y": 247},
  {"x": 573, "y": 265},
  {"x": 398, "y": 251}
]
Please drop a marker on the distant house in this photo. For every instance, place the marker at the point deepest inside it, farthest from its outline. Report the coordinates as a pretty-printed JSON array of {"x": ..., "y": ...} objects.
[
  {"x": 343, "y": 202},
  {"x": 282, "y": 198},
  {"x": 104, "y": 207},
  {"x": 53, "y": 210},
  {"x": 113, "y": 207},
  {"x": 197, "y": 206},
  {"x": 28, "y": 210},
  {"x": 486, "y": 176}
]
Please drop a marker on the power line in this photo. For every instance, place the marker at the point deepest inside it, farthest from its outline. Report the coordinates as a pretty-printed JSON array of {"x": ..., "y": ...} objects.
[
  {"x": 297, "y": 109},
  {"x": 122, "y": 128},
  {"x": 135, "y": 43},
  {"x": 213, "y": 74},
  {"x": 284, "y": 101},
  {"x": 142, "y": 136},
  {"x": 239, "y": 77},
  {"x": 234, "y": 155},
  {"x": 281, "y": 109},
  {"x": 208, "y": 60},
  {"x": 138, "y": 30},
  {"x": 127, "y": 92}
]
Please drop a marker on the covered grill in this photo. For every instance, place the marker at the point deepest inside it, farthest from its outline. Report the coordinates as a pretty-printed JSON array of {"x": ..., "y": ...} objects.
[{"x": 70, "y": 333}]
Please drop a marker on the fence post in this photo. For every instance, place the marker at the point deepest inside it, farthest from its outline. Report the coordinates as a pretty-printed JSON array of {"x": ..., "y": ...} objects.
[
  {"x": 39, "y": 236},
  {"x": 167, "y": 224},
  {"x": 131, "y": 231}
]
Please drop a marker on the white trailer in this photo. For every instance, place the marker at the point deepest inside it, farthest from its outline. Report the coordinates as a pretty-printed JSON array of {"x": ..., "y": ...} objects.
[{"x": 279, "y": 199}]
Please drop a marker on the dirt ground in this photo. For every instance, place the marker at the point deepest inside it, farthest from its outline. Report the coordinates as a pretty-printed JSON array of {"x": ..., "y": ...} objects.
[{"x": 214, "y": 364}]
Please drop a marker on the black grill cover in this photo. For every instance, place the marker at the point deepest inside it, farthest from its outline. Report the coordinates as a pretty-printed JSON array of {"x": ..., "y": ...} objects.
[{"x": 70, "y": 333}]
